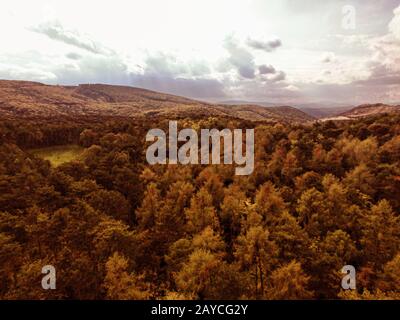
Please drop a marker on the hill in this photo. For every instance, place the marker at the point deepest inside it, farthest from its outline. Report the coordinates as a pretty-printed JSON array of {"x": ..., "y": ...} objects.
[
  {"x": 324, "y": 112},
  {"x": 317, "y": 110},
  {"x": 366, "y": 110},
  {"x": 25, "y": 99}
]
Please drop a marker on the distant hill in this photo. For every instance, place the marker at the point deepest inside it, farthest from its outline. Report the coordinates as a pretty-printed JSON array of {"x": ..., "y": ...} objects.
[
  {"x": 323, "y": 112},
  {"x": 314, "y": 109},
  {"x": 245, "y": 102},
  {"x": 366, "y": 110},
  {"x": 24, "y": 99}
]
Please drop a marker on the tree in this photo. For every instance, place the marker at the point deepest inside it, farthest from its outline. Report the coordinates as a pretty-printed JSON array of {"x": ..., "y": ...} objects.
[
  {"x": 113, "y": 236},
  {"x": 119, "y": 284},
  {"x": 88, "y": 137},
  {"x": 327, "y": 258},
  {"x": 289, "y": 282},
  {"x": 111, "y": 203},
  {"x": 150, "y": 207},
  {"x": 201, "y": 212},
  {"x": 233, "y": 209},
  {"x": 312, "y": 209},
  {"x": 11, "y": 254},
  {"x": 306, "y": 181},
  {"x": 291, "y": 167},
  {"x": 362, "y": 179},
  {"x": 197, "y": 275},
  {"x": 209, "y": 240},
  {"x": 291, "y": 238},
  {"x": 206, "y": 276},
  {"x": 256, "y": 252},
  {"x": 171, "y": 220},
  {"x": 213, "y": 184},
  {"x": 27, "y": 283},
  {"x": 381, "y": 234},
  {"x": 390, "y": 278},
  {"x": 269, "y": 203}
]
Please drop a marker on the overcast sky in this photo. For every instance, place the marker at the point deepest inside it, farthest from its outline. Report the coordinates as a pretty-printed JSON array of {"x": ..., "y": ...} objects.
[{"x": 283, "y": 51}]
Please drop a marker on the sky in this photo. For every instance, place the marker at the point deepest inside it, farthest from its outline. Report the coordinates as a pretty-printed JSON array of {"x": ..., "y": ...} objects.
[{"x": 278, "y": 51}]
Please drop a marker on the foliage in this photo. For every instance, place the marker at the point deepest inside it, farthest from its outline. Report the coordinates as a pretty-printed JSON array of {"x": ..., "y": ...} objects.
[{"x": 321, "y": 196}]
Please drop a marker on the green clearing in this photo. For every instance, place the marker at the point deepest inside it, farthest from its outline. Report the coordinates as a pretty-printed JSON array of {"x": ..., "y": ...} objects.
[{"x": 58, "y": 155}]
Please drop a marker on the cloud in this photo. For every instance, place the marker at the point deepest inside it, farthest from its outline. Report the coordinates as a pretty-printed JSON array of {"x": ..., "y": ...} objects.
[
  {"x": 266, "y": 69},
  {"x": 394, "y": 25},
  {"x": 328, "y": 57},
  {"x": 384, "y": 65},
  {"x": 279, "y": 76},
  {"x": 26, "y": 66},
  {"x": 73, "y": 56},
  {"x": 165, "y": 64},
  {"x": 24, "y": 73},
  {"x": 93, "y": 69},
  {"x": 292, "y": 88},
  {"x": 380, "y": 75},
  {"x": 268, "y": 45},
  {"x": 267, "y": 90},
  {"x": 370, "y": 75},
  {"x": 56, "y": 31},
  {"x": 194, "y": 88},
  {"x": 240, "y": 58}
]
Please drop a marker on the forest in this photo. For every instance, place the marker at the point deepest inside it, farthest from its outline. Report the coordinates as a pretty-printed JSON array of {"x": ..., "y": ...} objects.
[{"x": 322, "y": 196}]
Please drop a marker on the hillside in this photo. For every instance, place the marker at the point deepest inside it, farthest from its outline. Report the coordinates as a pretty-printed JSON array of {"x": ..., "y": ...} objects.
[
  {"x": 317, "y": 110},
  {"x": 369, "y": 110},
  {"x": 323, "y": 111},
  {"x": 362, "y": 111},
  {"x": 25, "y": 99}
]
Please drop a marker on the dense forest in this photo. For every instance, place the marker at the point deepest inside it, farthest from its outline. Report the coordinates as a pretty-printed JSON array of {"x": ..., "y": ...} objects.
[{"x": 322, "y": 195}]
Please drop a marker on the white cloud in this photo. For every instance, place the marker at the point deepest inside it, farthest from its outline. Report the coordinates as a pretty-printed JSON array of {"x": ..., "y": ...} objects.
[
  {"x": 56, "y": 31},
  {"x": 394, "y": 25}
]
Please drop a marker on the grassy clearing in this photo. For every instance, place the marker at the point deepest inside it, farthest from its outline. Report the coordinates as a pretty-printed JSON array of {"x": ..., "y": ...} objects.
[{"x": 58, "y": 155}]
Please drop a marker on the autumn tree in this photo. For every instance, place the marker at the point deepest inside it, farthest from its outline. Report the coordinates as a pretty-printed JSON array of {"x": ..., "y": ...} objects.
[
  {"x": 149, "y": 208},
  {"x": 256, "y": 253},
  {"x": 381, "y": 234},
  {"x": 289, "y": 282},
  {"x": 119, "y": 284},
  {"x": 201, "y": 212}
]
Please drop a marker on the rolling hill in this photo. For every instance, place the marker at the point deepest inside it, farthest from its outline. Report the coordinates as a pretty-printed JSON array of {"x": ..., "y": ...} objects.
[
  {"x": 317, "y": 110},
  {"x": 24, "y": 99},
  {"x": 366, "y": 110}
]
